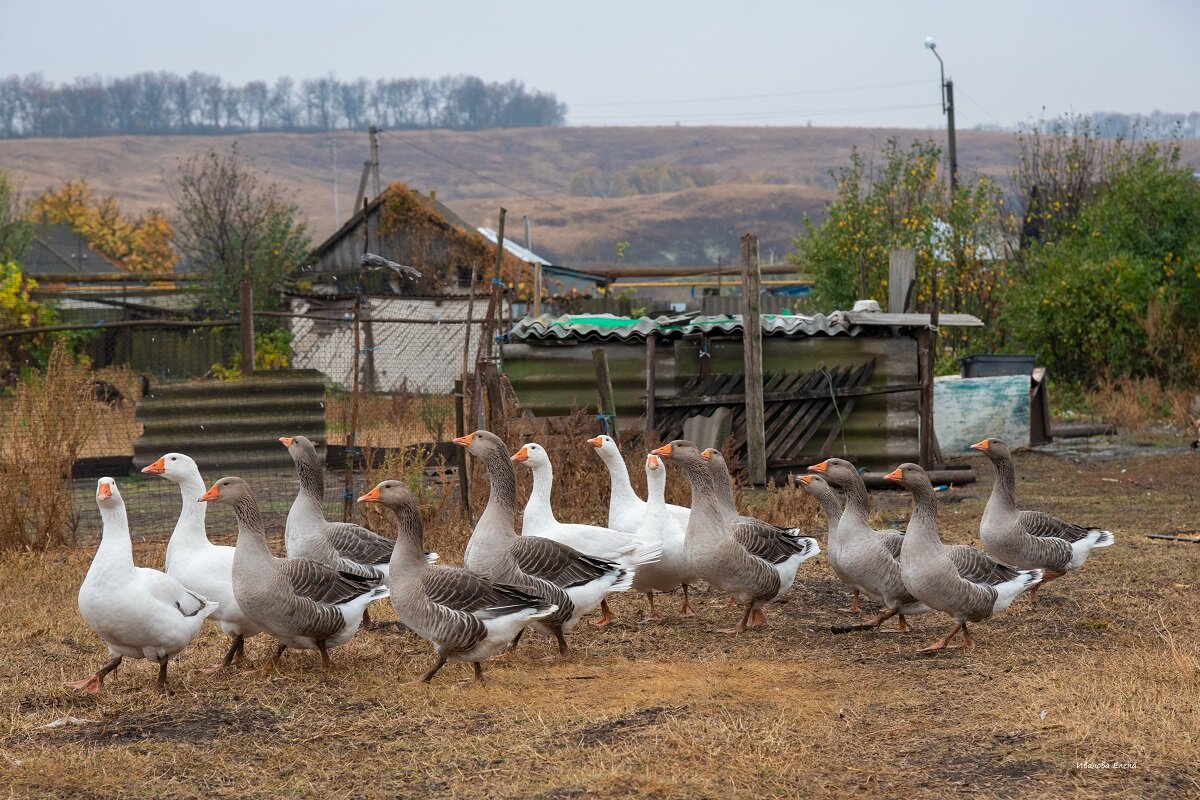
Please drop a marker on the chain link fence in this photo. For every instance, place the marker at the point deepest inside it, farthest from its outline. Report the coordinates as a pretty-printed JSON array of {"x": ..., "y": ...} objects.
[{"x": 173, "y": 386}]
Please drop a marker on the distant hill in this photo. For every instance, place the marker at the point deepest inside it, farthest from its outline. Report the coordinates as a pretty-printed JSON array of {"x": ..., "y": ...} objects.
[{"x": 761, "y": 180}]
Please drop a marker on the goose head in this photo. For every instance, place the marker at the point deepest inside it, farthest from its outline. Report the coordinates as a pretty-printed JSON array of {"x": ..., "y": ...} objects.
[
  {"x": 299, "y": 447},
  {"x": 391, "y": 493},
  {"x": 836, "y": 471},
  {"x": 107, "y": 495},
  {"x": 910, "y": 476},
  {"x": 481, "y": 443},
  {"x": 656, "y": 471},
  {"x": 680, "y": 452},
  {"x": 993, "y": 448},
  {"x": 606, "y": 448},
  {"x": 226, "y": 492},
  {"x": 172, "y": 466},
  {"x": 532, "y": 455},
  {"x": 814, "y": 485}
]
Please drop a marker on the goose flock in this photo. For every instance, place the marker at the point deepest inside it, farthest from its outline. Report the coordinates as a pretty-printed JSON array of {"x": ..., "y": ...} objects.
[{"x": 551, "y": 574}]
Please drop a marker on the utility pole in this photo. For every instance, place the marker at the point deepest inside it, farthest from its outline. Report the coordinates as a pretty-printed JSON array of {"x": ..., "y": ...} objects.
[
  {"x": 949, "y": 110},
  {"x": 373, "y": 132}
]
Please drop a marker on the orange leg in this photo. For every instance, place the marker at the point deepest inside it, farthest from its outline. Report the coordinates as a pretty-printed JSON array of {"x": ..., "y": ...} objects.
[
  {"x": 1046, "y": 578},
  {"x": 605, "y": 615},
  {"x": 853, "y": 609},
  {"x": 757, "y": 618},
  {"x": 653, "y": 615},
  {"x": 271, "y": 665},
  {"x": 96, "y": 682},
  {"x": 943, "y": 642},
  {"x": 687, "y": 610},
  {"x": 235, "y": 653},
  {"x": 887, "y": 614},
  {"x": 741, "y": 626},
  {"x": 903, "y": 627}
]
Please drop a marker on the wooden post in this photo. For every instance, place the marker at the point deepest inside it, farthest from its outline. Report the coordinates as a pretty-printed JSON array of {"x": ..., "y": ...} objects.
[
  {"x": 351, "y": 446},
  {"x": 651, "y": 369},
  {"x": 464, "y": 485},
  {"x": 756, "y": 446},
  {"x": 246, "y": 310},
  {"x": 489, "y": 324},
  {"x": 537, "y": 290},
  {"x": 606, "y": 407},
  {"x": 902, "y": 271},
  {"x": 925, "y": 403}
]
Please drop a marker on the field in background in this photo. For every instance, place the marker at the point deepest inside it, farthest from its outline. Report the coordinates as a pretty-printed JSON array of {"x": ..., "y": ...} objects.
[
  {"x": 1105, "y": 670},
  {"x": 766, "y": 178}
]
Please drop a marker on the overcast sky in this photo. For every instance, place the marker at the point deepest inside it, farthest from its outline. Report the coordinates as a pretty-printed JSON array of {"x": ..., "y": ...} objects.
[{"x": 659, "y": 63}]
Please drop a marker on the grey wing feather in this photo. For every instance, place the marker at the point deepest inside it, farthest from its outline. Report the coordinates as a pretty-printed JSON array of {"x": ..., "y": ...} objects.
[
  {"x": 768, "y": 542},
  {"x": 356, "y": 543},
  {"x": 893, "y": 541},
  {"x": 458, "y": 589},
  {"x": 1041, "y": 524},
  {"x": 316, "y": 581},
  {"x": 977, "y": 567},
  {"x": 558, "y": 563}
]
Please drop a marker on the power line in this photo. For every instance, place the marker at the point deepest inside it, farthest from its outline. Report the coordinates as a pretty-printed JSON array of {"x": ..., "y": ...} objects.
[
  {"x": 820, "y": 112},
  {"x": 979, "y": 105},
  {"x": 747, "y": 96},
  {"x": 530, "y": 195}
]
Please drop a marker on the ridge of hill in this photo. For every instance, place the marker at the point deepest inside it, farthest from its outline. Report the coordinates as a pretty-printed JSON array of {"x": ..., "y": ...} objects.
[{"x": 762, "y": 180}]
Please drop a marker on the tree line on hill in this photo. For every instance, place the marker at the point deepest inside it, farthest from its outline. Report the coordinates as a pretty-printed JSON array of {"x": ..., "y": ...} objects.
[
  {"x": 155, "y": 103},
  {"x": 1117, "y": 125}
]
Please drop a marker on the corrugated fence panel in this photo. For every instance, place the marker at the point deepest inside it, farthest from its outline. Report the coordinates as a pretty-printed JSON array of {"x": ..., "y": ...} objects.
[
  {"x": 880, "y": 430},
  {"x": 549, "y": 379},
  {"x": 232, "y": 426}
]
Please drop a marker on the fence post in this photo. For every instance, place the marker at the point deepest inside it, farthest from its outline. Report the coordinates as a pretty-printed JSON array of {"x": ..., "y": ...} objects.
[
  {"x": 606, "y": 407},
  {"x": 902, "y": 272},
  {"x": 756, "y": 447},
  {"x": 246, "y": 311},
  {"x": 464, "y": 487},
  {"x": 651, "y": 369}
]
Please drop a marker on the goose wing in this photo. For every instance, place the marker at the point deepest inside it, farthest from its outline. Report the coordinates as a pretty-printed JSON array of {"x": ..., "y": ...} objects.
[
  {"x": 768, "y": 542},
  {"x": 1042, "y": 525},
  {"x": 356, "y": 543},
  {"x": 557, "y": 563},
  {"x": 978, "y": 567},
  {"x": 323, "y": 584}
]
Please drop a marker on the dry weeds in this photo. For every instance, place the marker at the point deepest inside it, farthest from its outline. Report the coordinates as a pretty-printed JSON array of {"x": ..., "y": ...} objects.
[{"x": 1103, "y": 671}]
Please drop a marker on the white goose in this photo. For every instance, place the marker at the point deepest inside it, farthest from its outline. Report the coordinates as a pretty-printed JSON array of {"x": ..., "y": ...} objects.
[
  {"x": 625, "y": 508},
  {"x": 620, "y": 547},
  {"x": 197, "y": 563},
  {"x": 138, "y": 612},
  {"x": 659, "y": 525}
]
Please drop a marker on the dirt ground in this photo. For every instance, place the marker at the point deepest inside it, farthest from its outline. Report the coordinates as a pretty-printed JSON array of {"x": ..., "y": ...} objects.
[{"x": 1093, "y": 694}]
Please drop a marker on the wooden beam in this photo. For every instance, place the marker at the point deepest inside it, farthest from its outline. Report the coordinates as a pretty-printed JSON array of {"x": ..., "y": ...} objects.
[
  {"x": 607, "y": 409},
  {"x": 651, "y": 368},
  {"x": 781, "y": 397},
  {"x": 756, "y": 446},
  {"x": 925, "y": 403}
]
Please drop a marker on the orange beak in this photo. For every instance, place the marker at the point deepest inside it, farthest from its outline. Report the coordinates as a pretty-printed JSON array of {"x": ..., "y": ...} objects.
[
  {"x": 707, "y": 454},
  {"x": 597, "y": 442},
  {"x": 822, "y": 467},
  {"x": 894, "y": 475},
  {"x": 286, "y": 441},
  {"x": 211, "y": 494},
  {"x": 521, "y": 455},
  {"x": 652, "y": 461},
  {"x": 157, "y": 468},
  {"x": 463, "y": 441},
  {"x": 805, "y": 479},
  {"x": 665, "y": 450},
  {"x": 981, "y": 446},
  {"x": 103, "y": 491},
  {"x": 370, "y": 497}
]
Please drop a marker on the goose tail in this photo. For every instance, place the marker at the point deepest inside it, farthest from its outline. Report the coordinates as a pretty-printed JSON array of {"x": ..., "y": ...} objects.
[
  {"x": 1009, "y": 590},
  {"x": 1082, "y": 548}
]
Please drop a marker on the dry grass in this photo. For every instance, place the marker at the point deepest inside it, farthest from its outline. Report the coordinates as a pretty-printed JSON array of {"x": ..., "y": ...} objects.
[
  {"x": 1103, "y": 671},
  {"x": 1135, "y": 404},
  {"x": 41, "y": 435}
]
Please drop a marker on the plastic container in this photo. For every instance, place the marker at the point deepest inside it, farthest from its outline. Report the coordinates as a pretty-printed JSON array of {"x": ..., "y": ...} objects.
[{"x": 988, "y": 365}]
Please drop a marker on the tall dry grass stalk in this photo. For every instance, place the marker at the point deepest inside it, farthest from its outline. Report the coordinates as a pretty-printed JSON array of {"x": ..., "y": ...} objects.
[
  {"x": 1136, "y": 403},
  {"x": 40, "y": 438}
]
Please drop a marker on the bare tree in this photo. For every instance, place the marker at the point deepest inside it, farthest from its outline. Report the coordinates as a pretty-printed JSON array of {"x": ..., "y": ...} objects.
[{"x": 230, "y": 222}]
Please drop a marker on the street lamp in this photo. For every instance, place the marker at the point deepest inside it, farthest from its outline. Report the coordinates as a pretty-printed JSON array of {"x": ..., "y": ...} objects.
[{"x": 948, "y": 110}]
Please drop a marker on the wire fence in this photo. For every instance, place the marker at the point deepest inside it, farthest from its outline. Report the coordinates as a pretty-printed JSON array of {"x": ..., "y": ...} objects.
[{"x": 150, "y": 389}]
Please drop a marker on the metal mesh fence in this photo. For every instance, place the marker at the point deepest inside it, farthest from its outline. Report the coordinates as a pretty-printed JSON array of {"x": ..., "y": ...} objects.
[{"x": 149, "y": 391}]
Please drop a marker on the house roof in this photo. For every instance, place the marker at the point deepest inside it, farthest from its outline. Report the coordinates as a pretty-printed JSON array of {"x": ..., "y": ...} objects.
[{"x": 56, "y": 248}]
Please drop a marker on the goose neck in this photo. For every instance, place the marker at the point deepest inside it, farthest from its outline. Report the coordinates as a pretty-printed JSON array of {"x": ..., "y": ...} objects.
[
  {"x": 828, "y": 502},
  {"x": 923, "y": 524},
  {"x": 1004, "y": 492},
  {"x": 189, "y": 530},
  {"x": 409, "y": 549},
  {"x": 502, "y": 499},
  {"x": 856, "y": 498},
  {"x": 252, "y": 534},
  {"x": 116, "y": 547},
  {"x": 622, "y": 493},
  {"x": 539, "y": 509}
]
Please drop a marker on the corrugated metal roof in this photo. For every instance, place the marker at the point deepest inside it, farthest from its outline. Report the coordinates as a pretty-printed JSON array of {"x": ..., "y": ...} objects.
[
  {"x": 528, "y": 256},
  {"x": 607, "y": 327}
]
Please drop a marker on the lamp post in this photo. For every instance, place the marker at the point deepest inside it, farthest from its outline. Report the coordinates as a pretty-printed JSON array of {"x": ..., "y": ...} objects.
[{"x": 948, "y": 110}]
